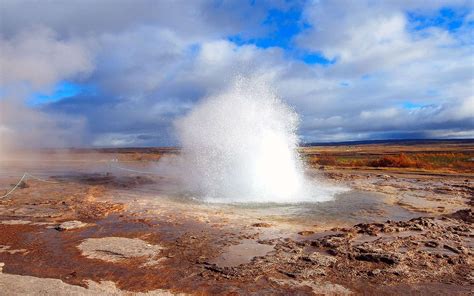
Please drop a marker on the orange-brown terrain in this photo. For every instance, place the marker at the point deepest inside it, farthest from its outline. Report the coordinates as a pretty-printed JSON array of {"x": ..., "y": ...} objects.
[{"x": 90, "y": 222}]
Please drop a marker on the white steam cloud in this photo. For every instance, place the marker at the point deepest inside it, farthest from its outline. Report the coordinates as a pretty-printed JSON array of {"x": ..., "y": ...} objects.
[
  {"x": 32, "y": 61},
  {"x": 240, "y": 146}
]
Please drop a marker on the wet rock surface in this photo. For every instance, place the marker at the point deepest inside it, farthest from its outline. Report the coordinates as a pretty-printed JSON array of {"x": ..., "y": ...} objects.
[
  {"x": 114, "y": 249},
  {"x": 422, "y": 192},
  {"x": 357, "y": 259},
  {"x": 46, "y": 202},
  {"x": 70, "y": 225},
  {"x": 374, "y": 254},
  {"x": 142, "y": 246},
  {"x": 28, "y": 285}
]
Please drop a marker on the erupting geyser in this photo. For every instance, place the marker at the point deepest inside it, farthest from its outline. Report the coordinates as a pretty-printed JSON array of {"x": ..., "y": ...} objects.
[{"x": 240, "y": 146}]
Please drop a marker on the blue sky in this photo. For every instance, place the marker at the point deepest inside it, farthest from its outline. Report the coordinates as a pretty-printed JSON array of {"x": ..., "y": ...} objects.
[
  {"x": 282, "y": 27},
  {"x": 62, "y": 90},
  {"x": 447, "y": 18},
  {"x": 353, "y": 70}
]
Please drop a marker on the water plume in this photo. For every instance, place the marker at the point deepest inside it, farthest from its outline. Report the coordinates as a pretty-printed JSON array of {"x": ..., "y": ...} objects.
[{"x": 241, "y": 146}]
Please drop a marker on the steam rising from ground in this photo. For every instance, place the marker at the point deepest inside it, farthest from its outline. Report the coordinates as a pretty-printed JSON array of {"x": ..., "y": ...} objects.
[
  {"x": 240, "y": 146},
  {"x": 24, "y": 129},
  {"x": 33, "y": 62}
]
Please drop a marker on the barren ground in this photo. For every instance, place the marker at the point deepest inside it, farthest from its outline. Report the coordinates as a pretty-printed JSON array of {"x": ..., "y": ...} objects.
[{"x": 96, "y": 229}]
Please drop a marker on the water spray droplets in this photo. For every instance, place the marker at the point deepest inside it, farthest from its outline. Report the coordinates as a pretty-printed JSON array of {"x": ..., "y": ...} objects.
[{"x": 240, "y": 146}]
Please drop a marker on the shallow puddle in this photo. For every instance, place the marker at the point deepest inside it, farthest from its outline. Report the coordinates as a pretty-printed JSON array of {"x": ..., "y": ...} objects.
[
  {"x": 242, "y": 253},
  {"x": 345, "y": 209},
  {"x": 385, "y": 237}
]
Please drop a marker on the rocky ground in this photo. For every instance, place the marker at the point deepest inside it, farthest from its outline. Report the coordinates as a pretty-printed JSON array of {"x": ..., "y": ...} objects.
[
  {"x": 77, "y": 237},
  {"x": 426, "y": 192},
  {"x": 375, "y": 258}
]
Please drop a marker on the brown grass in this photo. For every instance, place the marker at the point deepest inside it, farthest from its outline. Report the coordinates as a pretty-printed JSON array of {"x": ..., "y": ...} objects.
[
  {"x": 452, "y": 161},
  {"x": 399, "y": 161}
]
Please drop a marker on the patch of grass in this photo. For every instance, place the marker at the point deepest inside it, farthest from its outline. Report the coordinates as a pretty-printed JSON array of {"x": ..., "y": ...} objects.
[
  {"x": 327, "y": 160},
  {"x": 400, "y": 161},
  {"x": 461, "y": 162}
]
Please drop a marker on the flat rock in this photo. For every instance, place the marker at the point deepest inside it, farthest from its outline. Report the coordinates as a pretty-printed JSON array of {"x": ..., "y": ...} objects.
[
  {"x": 70, "y": 225},
  {"x": 115, "y": 249},
  {"x": 12, "y": 284}
]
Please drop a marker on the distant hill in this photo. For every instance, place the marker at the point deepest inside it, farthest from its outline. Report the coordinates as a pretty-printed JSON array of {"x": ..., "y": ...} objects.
[{"x": 395, "y": 141}]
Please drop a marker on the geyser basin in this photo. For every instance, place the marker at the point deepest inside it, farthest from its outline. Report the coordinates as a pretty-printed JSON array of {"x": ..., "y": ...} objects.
[
  {"x": 344, "y": 209},
  {"x": 240, "y": 146}
]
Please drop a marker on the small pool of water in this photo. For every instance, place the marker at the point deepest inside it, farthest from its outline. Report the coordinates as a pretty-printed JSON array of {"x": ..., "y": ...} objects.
[
  {"x": 242, "y": 253},
  {"x": 347, "y": 208}
]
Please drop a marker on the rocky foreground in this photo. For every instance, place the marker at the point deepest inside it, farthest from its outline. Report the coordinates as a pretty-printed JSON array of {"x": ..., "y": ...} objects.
[
  {"x": 422, "y": 254},
  {"x": 78, "y": 238}
]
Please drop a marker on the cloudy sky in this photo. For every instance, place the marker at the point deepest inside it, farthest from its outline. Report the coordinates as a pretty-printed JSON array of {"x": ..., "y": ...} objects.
[{"x": 119, "y": 72}]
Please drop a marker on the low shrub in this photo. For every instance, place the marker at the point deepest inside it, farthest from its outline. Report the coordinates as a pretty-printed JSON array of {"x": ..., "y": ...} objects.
[
  {"x": 399, "y": 161},
  {"x": 326, "y": 160}
]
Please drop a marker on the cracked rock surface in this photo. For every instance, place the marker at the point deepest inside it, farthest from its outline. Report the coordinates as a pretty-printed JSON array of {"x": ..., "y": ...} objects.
[{"x": 115, "y": 249}]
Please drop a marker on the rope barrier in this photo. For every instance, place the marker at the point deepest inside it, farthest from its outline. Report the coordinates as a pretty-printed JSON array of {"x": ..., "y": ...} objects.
[
  {"x": 15, "y": 187},
  {"x": 26, "y": 175},
  {"x": 23, "y": 178},
  {"x": 42, "y": 180}
]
